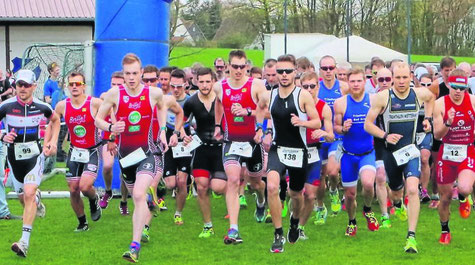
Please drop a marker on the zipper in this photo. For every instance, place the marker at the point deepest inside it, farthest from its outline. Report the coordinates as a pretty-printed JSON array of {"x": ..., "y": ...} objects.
[{"x": 24, "y": 130}]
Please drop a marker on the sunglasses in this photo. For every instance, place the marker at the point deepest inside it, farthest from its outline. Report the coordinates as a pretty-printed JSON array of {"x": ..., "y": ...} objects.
[
  {"x": 177, "y": 86},
  {"x": 237, "y": 66},
  {"x": 115, "y": 84},
  {"x": 72, "y": 84},
  {"x": 426, "y": 84},
  {"x": 382, "y": 79},
  {"x": 150, "y": 80},
  {"x": 460, "y": 88},
  {"x": 282, "y": 71},
  {"x": 23, "y": 84},
  {"x": 369, "y": 76},
  {"x": 312, "y": 86},
  {"x": 327, "y": 68},
  {"x": 219, "y": 66}
]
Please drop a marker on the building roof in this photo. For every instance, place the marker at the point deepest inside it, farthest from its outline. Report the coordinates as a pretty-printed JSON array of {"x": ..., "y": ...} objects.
[{"x": 47, "y": 10}]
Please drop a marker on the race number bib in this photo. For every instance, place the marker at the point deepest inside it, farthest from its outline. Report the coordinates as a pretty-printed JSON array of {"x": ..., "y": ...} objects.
[
  {"x": 241, "y": 149},
  {"x": 454, "y": 152},
  {"x": 80, "y": 155},
  {"x": 405, "y": 154},
  {"x": 133, "y": 158},
  {"x": 313, "y": 155},
  {"x": 180, "y": 150},
  {"x": 420, "y": 137},
  {"x": 291, "y": 157},
  {"x": 26, "y": 150}
]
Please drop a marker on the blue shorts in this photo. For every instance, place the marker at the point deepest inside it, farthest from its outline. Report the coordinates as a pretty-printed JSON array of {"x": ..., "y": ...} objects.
[
  {"x": 426, "y": 142},
  {"x": 351, "y": 167},
  {"x": 328, "y": 149},
  {"x": 396, "y": 174},
  {"x": 313, "y": 173}
]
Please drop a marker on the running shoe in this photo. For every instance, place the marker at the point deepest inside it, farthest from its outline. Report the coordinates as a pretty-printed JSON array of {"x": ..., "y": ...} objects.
[
  {"x": 335, "y": 202},
  {"x": 411, "y": 245},
  {"x": 178, "y": 220},
  {"x": 260, "y": 213},
  {"x": 351, "y": 230},
  {"x": 434, "y": 204},
  {"x": 145, "y": 235},
  {"x": 242, "y": 202},
  {"x": 401, "y": 213},
  {"x": 293, "y": 234},
  {"x": 162, "y": 205},
  {"x": 465, "y": 208},
  {"x": 445, "y": 238},
  {"x": 425, "y": 198},
  {"x": 216, "y": 195},
  {"x": 151, "y": 203},
  {"x": 321, "y": 216},
  {"x": 132, "y": 255},
  {"x": 96, "y": 210},
  {"x": 285, "y": 209},
  {"x": 104, "y": 202},
  {"x": 207, "y": 232},
  {"x": 226, "y": 216},
  {"x": 124, "y": 210},
  {"x": 373, "y": 224},
  {"x": 278, "y": 244},
  {"x": 268, "y": 217},
  {"x": 232, "y": 237},
  {"x": 41, "y": 208},
  {"x": 191, "y": 189},
  {"x": 11, "y": 217},
  {"x": 20, "y": 248},
  {"x": 302, "y": 235},
  {"x": 82, "y": 228},
  {"x": 385, "y": 222}
]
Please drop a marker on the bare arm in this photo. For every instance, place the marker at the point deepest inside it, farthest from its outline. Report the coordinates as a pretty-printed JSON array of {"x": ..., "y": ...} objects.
[
  {"x": 218, "y": 105},
  {"x": 440, "y": 130},
  {"x": 339, "y": 107},
  {"x": 96, "y": 104},
  {"x": 426, "y": 96},
  {"x": 378, "y": 102},
  {"x": 106, "y": 107},
  {"x": 309, "y": 107}
]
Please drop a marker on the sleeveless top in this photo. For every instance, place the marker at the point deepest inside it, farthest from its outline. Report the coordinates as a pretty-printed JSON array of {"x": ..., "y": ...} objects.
[
  {"x": 357, "y": 140},
  {"x": 461, "y": 131},
  {"x": 80, "y": 123},
  {"x": 319, "y": 106}
]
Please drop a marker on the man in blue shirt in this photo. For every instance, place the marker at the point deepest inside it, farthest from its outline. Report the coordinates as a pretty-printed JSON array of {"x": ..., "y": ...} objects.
[{"x": 51, "y": 84}]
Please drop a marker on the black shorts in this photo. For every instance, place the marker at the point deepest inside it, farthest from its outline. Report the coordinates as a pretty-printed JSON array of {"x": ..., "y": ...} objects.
[
  {"x": 396, "y": 174},
  {"x": 254, "y": 164},
  {"x": 379, "y": 146},
  {"x": 436, "y": 145},
  {"x": 77, "y": 169},
  {"x": 208, "y": 161},
  {"x": 297, "y": 176},
  {"x": 151, "y": 165},
  {"x": 173, "y": 165}
]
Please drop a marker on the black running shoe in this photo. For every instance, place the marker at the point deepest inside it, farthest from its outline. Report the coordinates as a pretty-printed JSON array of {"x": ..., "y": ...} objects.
[
  {"x": 96, "y": 210},
  {"x": 278, "y": 244},
  {"x": 294, "y": 234},
  {"x": 82, "y": 228}
]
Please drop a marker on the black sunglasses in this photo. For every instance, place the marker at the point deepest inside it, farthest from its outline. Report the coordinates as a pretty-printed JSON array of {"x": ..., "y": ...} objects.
[
  {"x": 312, "y": 86},
  {"x": 282, "y": 71},
  {"x": 369, "y": 76},
  {"x": 327, "y": 68},
  {"x": 382, "y": 79},
  {"x": 23, "y": 84},
  {"x": 150, "y": 80},
  {"x": 237, "y": 66}
]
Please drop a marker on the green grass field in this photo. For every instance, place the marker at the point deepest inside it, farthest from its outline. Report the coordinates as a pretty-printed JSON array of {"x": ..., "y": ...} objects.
[
  {"x": 206, "y": 56},
  {"x": 54, "y": 242}
]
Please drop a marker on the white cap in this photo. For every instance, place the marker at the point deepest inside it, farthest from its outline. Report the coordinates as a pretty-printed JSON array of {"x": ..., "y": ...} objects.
[
  {"x": 419, "y": 72},
  {"x": 26, "y": 76}
]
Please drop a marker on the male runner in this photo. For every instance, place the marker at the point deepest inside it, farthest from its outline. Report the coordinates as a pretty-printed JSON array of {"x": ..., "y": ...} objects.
[
  {"x": 21, "y": 116},
  {"x": 164, "y": 80},
  {"x": 371, "y": 85},
  {"x": 219, "y": 67},
  {"x": 270, "y": 76},
  {"x": 342, "y": 70},
  {"x": 79, "y": 111},
  {"x": 311, "y": 84},
  {"x": 358, "y": 160},
  {"x": 207, "y": 164},
  {"x": 454, "y": 124},
  {"x": 330, "y": 90},
  {"x": 140, "y": 158},
  {"x": 237, "y": 98},
  {"x": 400, "y": 109},
  {"x": 292, "y": 111}
]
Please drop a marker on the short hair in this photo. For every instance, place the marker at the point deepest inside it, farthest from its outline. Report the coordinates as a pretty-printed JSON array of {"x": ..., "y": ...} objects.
[
  {"x": 309, "y": 76},
  {"x": 401, "y": 65},
  {"x": 74, "y": 74},
  {"x": 131, "y": 58},
  {"x": 117, "y": 74},
  {"x": 356, "y": 71},
  {"x": 326, "y": 57},
  {"x": 287, "y": 58},
  {"x": 178, "y": 73},
  {"x": 150, "y": 68},
  {"x": 377, "y": 62},
  {"x": 344, "y": 65},
  {"x": 270, "y": 63},
  {"x": 196, "y": 66},
  {"x": 166, "y": 70},
  {"x": 367, "y": 67},
  {"x": 458, "y": 72},
  {"x": 204, "y": 71},
  {"x": 238, "y": 54},
  {"x": 255, "y": 70},
  {"x": 219, "y": 59},
  {"x": 51, "y": 66},
  {"x": 388, "y": 64},
  {"x": 426, "y": 75},
  {"x": 447, "y": 62},
  {"x": 303, "y": 62}
]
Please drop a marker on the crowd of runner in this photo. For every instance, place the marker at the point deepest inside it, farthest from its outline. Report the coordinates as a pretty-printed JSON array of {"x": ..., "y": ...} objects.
[{"x": 290, "y": 132}]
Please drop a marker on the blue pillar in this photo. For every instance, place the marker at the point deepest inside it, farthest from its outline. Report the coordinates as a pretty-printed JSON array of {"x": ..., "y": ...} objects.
[{"x": 123, "y": 26}]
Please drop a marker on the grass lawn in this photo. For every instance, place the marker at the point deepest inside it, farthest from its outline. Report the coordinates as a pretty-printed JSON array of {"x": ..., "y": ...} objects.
[
  {"x": 206, "y": 56},
  {"x": 54, "y": 242}
]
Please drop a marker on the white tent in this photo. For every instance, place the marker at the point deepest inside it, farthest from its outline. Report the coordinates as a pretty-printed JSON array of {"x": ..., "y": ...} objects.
[
  {"x": 361, "y": 51},
  {"x": 298, "y": 44}
]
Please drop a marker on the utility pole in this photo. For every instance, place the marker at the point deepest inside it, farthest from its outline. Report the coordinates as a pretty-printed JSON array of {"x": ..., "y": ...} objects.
[
  {"x": 348, "y": 25},
  {"x": 409, "y": 31},
  {"x": 285, "y": 26}
]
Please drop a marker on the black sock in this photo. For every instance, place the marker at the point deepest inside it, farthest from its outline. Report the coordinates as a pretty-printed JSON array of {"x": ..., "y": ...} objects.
[
  {"x": 123, "y": 203},
  {"x": 366, "y": 209},
  {"x": 293, "y": 221},
  {"x": 445, "y": 226},
  {"x": 92, "y": 203},
  {"x": 147, "y": 227},
  {"x": 82, "y": 220},
  {"x": 397, "y": 204},
  {"x": 461, "y": 197},
  {"x": 279, "y": 231},
  {"x": 352, "y": 222},
  {"x": 109, "y": 192},
  {"x": 411, "y": 234}
]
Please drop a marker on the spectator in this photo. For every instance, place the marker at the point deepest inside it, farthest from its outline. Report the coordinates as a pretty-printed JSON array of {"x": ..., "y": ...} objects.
[
  {"x": 303, "y": 64},
  {"x": 5, "y": 87},
  {"x": 219, "y": 67},
  {"x": 342, "y": 70},
  {"x": 51, "y": 84}
]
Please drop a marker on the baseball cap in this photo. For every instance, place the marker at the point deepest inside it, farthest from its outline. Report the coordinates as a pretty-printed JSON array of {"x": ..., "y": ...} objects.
[
  {"x": 419, "y": 72},
  {"x": 26, "y": 76}
]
